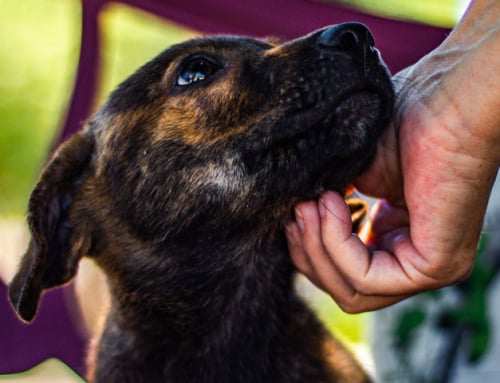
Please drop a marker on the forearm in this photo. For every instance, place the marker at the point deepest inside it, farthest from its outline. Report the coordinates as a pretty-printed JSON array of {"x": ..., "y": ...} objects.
[
  {"x": 472, "y": 51},
  {"x": 481, "y": 18}
]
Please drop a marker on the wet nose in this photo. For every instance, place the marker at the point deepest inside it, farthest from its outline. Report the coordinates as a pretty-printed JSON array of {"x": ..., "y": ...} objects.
[{"x": 352, "y": 38}]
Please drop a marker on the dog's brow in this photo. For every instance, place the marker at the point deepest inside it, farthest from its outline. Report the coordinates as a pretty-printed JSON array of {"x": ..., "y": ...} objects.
[
  {"x": 260, "y": 44},
  {"x": 222, "y": 43}
]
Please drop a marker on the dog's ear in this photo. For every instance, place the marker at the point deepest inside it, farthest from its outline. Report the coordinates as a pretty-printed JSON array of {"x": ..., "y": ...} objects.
[
  {"x": 359, "y": 210},
  {"x": 54, "y": 249}
]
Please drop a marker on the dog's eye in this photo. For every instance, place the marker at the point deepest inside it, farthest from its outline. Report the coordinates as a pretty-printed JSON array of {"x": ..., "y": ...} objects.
[{"x": 196, "y": 70}]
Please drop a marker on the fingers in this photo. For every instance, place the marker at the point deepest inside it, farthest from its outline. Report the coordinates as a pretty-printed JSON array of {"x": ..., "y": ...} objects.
[
  {"x": 308, "y": 250},
  {"x": 319, "y": 269},
  {"x": 377, "y": 273},
  {"x": 298, "y": 254}
]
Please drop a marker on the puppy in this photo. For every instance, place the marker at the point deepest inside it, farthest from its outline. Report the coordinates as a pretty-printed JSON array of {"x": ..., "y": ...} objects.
[{"x": 179, "y": 187}]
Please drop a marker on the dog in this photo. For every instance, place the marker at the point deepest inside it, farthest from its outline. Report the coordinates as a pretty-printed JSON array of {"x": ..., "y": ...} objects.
[{"x": 179, "y": 187}]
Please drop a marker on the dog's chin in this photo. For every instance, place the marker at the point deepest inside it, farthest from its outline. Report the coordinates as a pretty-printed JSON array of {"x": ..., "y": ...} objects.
[
  {"x": 355, "y": 121},
  {"x": 352, "y": 122},
  {"x": 342, "y": 144}
]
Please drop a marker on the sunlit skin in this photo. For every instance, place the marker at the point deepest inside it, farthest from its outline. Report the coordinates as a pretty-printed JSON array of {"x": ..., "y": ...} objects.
[{"x": 434, "y": 171}]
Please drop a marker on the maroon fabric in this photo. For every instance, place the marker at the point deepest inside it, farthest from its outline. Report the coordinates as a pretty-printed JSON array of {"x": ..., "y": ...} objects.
[
  {"x": 402, "y": 43},
  {"x": 53, "y": 333},
  {"x": 88, "y": 70}
]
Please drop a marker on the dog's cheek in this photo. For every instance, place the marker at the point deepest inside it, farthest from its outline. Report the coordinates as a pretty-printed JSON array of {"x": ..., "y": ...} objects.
[{"x": 165, "y": 187}]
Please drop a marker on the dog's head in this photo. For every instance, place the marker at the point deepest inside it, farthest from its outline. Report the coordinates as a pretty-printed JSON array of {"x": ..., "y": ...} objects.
[{"x": 213, "y": 138}]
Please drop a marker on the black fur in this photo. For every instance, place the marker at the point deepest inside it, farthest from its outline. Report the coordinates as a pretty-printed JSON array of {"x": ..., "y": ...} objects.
[{"x": 180, "y": 192}]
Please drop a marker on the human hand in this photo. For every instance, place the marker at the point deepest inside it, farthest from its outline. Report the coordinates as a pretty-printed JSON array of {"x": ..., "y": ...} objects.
[{"x": 434, "y": 170}]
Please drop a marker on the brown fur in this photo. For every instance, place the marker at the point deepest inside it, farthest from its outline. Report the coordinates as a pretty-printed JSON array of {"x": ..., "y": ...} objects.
[{"x": 179, "y": 191}]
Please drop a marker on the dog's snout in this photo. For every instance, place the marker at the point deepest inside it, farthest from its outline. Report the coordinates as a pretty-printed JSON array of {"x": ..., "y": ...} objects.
[{"x": 353, "y": 38}]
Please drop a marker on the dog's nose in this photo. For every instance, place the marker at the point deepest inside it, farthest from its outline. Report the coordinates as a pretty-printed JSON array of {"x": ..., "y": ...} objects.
[{"x": 353, "y": 38}]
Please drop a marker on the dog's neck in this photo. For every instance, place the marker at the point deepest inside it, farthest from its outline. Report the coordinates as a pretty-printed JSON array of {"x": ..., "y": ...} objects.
[{"x": 204, "y": 324}]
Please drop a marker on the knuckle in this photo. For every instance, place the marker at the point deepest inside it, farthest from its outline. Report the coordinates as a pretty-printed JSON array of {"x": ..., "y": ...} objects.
[
  {"x": 350, "y": 304},
  {"x": 349, "y": 308},
  {"x": 361, "y": 286},
  {"x": 445, "y": 272}
]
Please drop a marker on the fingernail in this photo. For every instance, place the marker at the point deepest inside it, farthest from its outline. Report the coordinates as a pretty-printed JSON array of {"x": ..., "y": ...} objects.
[
  {"x": 322, "y": 208},
  {"x": 299, "y": 218}
]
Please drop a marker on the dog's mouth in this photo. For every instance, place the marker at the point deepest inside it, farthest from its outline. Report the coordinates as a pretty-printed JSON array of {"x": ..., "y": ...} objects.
[
  {"x": 331, "y": 128},
  {"x": 350, "y": 123}
]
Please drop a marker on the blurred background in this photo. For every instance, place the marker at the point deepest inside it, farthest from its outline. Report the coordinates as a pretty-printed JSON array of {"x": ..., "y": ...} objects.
[{"x": 39, "y": 52}]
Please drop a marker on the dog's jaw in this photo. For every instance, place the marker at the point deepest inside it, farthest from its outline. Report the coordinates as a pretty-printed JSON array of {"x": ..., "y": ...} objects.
[{"x": 329, "y": 128}]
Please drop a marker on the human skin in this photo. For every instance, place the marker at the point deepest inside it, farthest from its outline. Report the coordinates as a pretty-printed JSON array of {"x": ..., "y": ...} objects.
[{"x": 433, "y": 172}]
